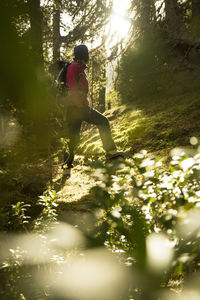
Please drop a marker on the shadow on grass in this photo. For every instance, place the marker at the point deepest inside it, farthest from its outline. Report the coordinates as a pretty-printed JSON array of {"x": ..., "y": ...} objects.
[
  {"x": 70, "y": 211},
  {"x": 61, "y": 182}
]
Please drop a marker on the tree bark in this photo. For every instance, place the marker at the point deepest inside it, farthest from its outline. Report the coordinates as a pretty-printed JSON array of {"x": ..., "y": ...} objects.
[
  {"x": 102, "y": 99},
  {"x": 175, "y": 26},
  {"x": 36, "y": 30},
  {"x": 56, "y": 30},
  {"x": 146, "y": 16},
  {"x": 102, "y": 92},
  {"x": 195, "y": 22}
]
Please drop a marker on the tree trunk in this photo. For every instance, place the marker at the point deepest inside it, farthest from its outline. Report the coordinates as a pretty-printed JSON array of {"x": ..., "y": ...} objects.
[
  {"x": 102, "y": 94},
  {"x": 195, "y": 22},
  {"x": 175, "y": 26},
  {"x": 36, "y": 30},
  {"x": 185, "y": 45},
  {"x": 56, "y": 30},
  {"x": 145, "y": 16}
]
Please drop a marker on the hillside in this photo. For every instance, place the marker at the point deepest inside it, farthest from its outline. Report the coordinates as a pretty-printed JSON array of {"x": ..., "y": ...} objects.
[
  {"x": 157, "y": 125},
  {"x": 134, "y": 207}
]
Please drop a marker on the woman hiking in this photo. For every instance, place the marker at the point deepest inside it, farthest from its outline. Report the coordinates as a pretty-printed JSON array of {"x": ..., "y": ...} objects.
[{"x": 80, "y": 109}]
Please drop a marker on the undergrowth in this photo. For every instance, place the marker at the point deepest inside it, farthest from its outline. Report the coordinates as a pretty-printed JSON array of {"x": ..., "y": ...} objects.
[
  {"x": 144, "y": 214},
  {"x": 141, "y": 227}
]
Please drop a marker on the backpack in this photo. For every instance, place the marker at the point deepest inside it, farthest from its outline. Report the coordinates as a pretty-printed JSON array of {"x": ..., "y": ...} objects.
[{"x": 59, "y": 70}]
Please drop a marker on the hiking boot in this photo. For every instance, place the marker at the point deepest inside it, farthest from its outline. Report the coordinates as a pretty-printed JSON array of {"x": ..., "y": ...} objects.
[
  {"x": 67, "y": 162},
  {"x": 113, "y": 154},
  {"x": 67, "y": 172},
  {"x": 65, "y": 166}
]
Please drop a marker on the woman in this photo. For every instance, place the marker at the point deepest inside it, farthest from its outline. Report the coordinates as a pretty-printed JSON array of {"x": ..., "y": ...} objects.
[{"x": 80, "y": 108}]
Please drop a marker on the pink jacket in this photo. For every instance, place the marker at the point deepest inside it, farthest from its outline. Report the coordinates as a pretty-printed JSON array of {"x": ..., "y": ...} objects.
[{"x": 78, "y": 84}]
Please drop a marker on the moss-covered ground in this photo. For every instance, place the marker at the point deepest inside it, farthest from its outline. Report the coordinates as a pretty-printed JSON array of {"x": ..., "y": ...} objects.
[{"x": 156, "y": 124}]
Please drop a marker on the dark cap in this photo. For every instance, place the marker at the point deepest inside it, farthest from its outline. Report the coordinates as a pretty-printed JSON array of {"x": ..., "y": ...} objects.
[{"x": 81, "y": 53}]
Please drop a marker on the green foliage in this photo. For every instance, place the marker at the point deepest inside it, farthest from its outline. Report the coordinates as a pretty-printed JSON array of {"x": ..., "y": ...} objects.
[
  {"x": 142, "y": 73},
  {"x": 97, "y": 77},
  {"x": 48, "y": 215},
  {"x": 14, "y": 270},
  {"x": 15, "y": 217},
  {"x": 141, "y": 208},
  {"x": 138, "y": 198},
  {"x": 161, "y": 53},
  {"x": 113, "y": 98},
  {"x": 18, "y": 217}
]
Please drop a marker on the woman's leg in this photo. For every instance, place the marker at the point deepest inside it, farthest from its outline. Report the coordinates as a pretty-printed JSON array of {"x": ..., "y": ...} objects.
[
  {"x": 92, "y": 116},
  {"x": 74, "y": 120}
]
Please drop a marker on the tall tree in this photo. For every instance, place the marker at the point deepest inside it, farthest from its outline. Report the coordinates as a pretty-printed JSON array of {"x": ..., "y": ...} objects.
[
  {"x": 195, "y": 21},
  {"x": 88, "y": 18},
  {"x": 175, "y": 25},
  {"x": 36, "y": 29},
  {"x": 97, "y": 77},
  {"x": 102, "y": 90},
  {"x": 56, "y": 29},
  {"x": 145, "y": 16}
]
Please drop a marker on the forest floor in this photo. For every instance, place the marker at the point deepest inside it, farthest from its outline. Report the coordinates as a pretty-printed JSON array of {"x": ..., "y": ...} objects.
[
  {"x": 158, "y": 126},
  {"x": 74, "y": 191}
]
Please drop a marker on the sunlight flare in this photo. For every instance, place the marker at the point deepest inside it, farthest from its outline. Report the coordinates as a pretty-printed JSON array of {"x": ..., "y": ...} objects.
[
  {"x": 189, "y": 223},
  {"x": 159, "y": 251},
  {"x": 94, "y": 274},
  {"x": 119, "y": 25}
]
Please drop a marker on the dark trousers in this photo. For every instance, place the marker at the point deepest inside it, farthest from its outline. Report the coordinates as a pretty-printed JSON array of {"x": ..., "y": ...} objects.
[{"x": 75, "y": 117}]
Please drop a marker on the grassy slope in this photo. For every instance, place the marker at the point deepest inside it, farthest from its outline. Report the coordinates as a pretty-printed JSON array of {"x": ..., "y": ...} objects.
[{"x": 157, "y": 125}]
